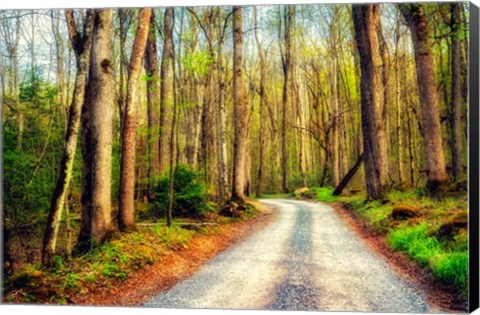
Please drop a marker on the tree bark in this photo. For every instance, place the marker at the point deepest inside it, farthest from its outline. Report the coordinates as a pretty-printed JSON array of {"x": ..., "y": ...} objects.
[
  {"x": 126, "y": 214},
  {"x": 366, "y": 19},
  {"x": 81, "y": 44},
  {"x": 417, "y": 22}
]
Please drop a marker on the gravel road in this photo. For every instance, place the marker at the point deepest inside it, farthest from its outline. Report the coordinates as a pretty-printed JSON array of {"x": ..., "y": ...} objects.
[{"x": 307, "y": 259}]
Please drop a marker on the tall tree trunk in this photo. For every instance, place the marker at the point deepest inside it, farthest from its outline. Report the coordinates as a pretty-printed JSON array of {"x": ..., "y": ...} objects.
[
  {"x": 263, "y": 111},
  {"x": 417, "y": 22},
  {"x": 153, "y": 100},
  {"x": 240, "y": 110},
  {"x": 456, "y": 107},
  {"x": 286, "y": 60},
  {"x": 126, "y": 211},
  {"x": 166, "y": 82},
  {"x": 366, "y": 19},
  {"x": 169, "y": 212},
  {"x": 399, "y": 127},
  {"x": 335, "y": 143},
  {"x": 81, "y": 44},
  {"x": 124, "y": 23},
  {"x": 97, "y": 141},
  {"x": 222, "y": 189},
  {"x": 60, "y": 63}
]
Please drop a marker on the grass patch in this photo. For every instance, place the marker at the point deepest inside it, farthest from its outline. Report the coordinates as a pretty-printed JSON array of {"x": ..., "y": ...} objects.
[
  {"x": 415, "y": 241},
  {"x": 324, "y": 194},
  {"x": 451, "y": 268}
]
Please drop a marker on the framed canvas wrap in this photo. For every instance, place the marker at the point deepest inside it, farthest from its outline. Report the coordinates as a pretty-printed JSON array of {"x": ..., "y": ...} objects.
[{"x": 241, "y": 156}]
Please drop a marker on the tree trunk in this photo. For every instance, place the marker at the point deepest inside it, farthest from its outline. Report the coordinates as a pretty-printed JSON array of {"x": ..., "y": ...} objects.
[
  {"x": 456, "y": 107},
  {"x": 166, "y": 82},
  {"x": 344, "y": 182},
  {"x": 286, "y": 60},
  {"x": 126, "y": 210},
  {"x": 81, "y": 44},
  {"x": 399, "y": 132},
  {"x": 240, "y": 110},
  {"x": 153, "y": 106},
  {"x": 417, "y": 22},
  {"x": 263, "y": 111},
  {"x": 60, "y": 63},
  {"x": 97, "y": 140},
  {"x": 222, "y": 190},
  {"x": 366, "y": 19}
]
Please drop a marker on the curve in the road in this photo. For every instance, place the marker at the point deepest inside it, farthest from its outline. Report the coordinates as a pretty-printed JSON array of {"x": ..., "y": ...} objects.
[{"x": 307, "y": 259}]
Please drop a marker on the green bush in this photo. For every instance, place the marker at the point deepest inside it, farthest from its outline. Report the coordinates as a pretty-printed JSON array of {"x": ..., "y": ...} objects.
[{"x": 190, "y": 198}]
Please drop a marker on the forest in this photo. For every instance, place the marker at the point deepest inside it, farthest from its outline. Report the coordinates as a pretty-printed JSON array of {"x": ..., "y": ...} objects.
[{"x": 115, "y": 119}]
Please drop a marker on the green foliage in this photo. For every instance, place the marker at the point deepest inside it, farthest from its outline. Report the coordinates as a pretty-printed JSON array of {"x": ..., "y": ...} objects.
[
  {"x": 198, "y": 62},
  {"x": 190, "y": 196},
  {"x": 451, "y": 268},
  {"x": 325, "y": 194},
  {"x": 415, "y": 241},
  {"x": 112, "y": 270},
  {"x": 71, "y": 281}
]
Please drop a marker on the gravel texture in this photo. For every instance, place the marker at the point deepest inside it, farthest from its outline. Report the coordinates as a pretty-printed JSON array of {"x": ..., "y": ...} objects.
[{"x": 307, "y": 259}]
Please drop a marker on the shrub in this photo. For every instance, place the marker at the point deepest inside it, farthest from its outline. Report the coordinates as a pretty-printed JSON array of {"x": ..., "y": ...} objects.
[{"x": 190, "y": 198}]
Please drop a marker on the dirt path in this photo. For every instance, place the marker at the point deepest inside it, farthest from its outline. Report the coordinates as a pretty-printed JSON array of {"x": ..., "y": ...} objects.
[{"x": 307, "y": 259}]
